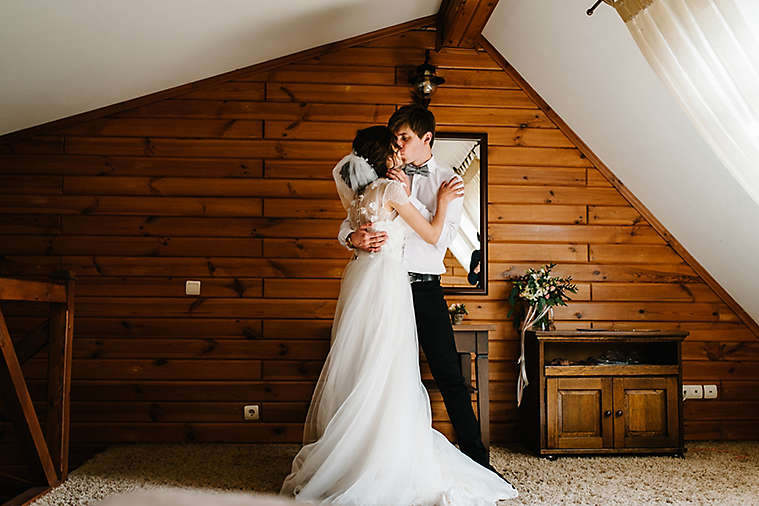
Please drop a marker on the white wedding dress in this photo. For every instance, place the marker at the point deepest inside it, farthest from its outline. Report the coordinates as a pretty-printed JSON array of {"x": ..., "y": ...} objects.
[{"x": 368, "y": 437}]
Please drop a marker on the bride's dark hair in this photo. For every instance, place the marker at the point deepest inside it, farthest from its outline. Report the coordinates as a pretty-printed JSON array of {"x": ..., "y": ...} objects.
[{"x": 376, "y": 144}]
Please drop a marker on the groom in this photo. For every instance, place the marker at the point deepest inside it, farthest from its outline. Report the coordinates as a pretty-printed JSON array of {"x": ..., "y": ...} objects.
[{"x": 414, "y": 128}]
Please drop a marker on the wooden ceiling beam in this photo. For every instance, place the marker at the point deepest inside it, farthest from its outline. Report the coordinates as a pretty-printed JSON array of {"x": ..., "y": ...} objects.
[{"x": 460, "y": 22}]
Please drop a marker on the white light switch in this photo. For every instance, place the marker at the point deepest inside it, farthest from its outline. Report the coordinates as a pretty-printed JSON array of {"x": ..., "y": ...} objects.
[
  {"x": 693, "y": 392},
  {"x": 192, "y": 288},
  {"x": 710, "y": 391}
]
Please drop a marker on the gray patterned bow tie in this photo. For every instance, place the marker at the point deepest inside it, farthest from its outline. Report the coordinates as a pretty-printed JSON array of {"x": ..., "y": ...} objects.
[{"x": 412, "y": 170}]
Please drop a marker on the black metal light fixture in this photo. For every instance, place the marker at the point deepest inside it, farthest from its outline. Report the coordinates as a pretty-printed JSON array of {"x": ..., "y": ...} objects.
[
  {"x": 590, "y": 11},
  {"x": 424, "y": 82}
]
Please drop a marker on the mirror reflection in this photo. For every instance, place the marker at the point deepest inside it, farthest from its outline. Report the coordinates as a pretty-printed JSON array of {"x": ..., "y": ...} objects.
[{"x": 465, "y": 261}]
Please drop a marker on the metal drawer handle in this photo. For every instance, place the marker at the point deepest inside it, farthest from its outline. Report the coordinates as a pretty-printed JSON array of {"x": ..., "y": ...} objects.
[
  {"x": 619, "y": 412},
  {"x": 607, "y": 412}
]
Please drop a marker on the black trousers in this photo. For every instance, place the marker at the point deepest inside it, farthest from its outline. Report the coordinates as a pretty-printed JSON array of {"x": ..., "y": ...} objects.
[{"x": 436, "y": 339}]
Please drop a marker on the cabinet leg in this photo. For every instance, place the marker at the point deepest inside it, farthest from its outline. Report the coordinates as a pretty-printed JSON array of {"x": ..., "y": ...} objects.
[{"x": 551, "y": 458}]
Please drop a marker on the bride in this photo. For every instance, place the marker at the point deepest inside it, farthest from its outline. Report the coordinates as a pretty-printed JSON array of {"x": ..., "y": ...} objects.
[{"x": 368, "y": 437}]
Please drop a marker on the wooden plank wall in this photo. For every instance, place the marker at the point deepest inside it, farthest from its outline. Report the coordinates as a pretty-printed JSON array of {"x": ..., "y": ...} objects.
[{"x": 231, "y": 186}]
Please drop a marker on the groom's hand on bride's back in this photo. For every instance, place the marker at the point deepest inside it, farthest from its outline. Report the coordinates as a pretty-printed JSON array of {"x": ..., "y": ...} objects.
[{"x": 366, "y": 239}]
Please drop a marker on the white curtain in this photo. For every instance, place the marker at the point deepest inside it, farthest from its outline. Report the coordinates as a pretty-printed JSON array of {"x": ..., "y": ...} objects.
[{"x": 707, "y": 53}]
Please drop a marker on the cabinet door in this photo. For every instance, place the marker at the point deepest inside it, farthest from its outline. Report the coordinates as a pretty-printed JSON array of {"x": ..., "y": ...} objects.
[
  {"x": 646, "y": 412},
  {"x": 579, "y": 412}
]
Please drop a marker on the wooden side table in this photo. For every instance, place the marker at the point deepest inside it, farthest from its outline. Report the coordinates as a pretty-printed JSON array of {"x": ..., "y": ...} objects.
[
  {"x": 52, "y": 447},
  {"x": 474, "y": 339},
  {"x": 603, "y": 391}
]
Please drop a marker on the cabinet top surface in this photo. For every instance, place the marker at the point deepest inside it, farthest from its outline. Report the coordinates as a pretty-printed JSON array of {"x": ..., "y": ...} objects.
[{"x": 606, "y": 335}]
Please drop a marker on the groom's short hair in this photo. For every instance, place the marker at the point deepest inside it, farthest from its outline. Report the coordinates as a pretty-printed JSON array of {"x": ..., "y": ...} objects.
[{"x": 418, "y": 118}]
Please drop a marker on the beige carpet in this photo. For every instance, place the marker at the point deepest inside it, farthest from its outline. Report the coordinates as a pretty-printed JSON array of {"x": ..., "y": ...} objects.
[{"x": 712, "y": 473}]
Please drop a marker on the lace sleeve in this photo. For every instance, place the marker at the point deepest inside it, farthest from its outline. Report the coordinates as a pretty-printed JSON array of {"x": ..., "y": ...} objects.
[{"x": 394, "y": 192}]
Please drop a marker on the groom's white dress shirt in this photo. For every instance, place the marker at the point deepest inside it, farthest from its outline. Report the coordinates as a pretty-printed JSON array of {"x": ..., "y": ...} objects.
[{"x": 419, "y": 255}]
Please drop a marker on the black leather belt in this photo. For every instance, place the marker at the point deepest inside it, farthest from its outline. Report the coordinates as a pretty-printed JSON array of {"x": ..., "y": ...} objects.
[{"x": 415, "y": 277}]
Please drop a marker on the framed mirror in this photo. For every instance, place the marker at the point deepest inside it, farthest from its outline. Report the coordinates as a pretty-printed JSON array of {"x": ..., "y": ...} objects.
[{"x": 466, "y": 260}]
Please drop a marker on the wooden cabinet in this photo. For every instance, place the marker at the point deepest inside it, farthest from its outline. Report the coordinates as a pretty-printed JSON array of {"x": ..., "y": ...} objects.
[{"x": 603, "y": 392}]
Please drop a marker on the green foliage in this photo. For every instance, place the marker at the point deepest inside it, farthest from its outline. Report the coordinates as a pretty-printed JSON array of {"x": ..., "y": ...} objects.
[{"x": 538, "y": 288}]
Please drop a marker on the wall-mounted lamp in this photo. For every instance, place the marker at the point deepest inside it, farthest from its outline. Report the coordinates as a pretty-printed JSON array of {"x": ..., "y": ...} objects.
[{"x": 424, "y": 81}]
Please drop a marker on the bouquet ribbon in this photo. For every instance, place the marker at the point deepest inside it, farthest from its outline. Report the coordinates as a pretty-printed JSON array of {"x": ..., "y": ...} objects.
[{"x": 530, "y": 318}]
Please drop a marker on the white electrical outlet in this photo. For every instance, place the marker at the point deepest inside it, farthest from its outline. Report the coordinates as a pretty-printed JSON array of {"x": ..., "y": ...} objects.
[
  {"x": 250, "y": 412},
  {"x": 693, "y": 392},
  {"x": 710, "y": 391},
  {"x": 192, "y": 288}
]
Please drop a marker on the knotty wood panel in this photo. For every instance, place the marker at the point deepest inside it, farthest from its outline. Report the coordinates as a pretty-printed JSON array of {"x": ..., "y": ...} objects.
[
  {"x": 361, "y": 94},
  {"x": 174, "y": 266},
  {"x": 187, "y": 391},
  {"x": 299, "y": 169},
  {"x": 154, "y": 369},
  {"x": 661, "y": 273},
  {"x": 178, "y": 186},
  {"x": 539, "y": 252},
  {"x": 536, "y": 213},
  {"x": 611, "y": 215},
  {"x": 199, "y": 227},
  {"x": 469, "y": 78},
  {"x": 164, "y": 127},
  {"x": 613, "y": 253},
  {"x": 118, "y": 205},
  {"x": 131, "y": 166},
  {"x": 710, "y": 350},
  {"x": 261, "y": 110},
  {"x": 221, "y": 148},
  {"x": 31, "y": 184},
  {"x": 414, "y": 38},
  {"x": 553, "y": 195},
  {"x": 699, "y": 331},
  {"x": 574, "y": 233},
  {"x": 505, "y": 136},
  {"x": 523, "y": 175},
  {"x": 483, "y": 117},
  {"x": 202, "y": 348},
  {"x": 695, "y": 292},
  {"x": 356, "y": 74},
  {"x": 167, "y": 287},
  {"x": 232, "y": 185}
]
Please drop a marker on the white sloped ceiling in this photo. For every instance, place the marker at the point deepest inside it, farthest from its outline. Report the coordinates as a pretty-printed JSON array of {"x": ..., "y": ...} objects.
[
  {"x": 592, "y": 74},
  {"x": 59, "y": 58}
]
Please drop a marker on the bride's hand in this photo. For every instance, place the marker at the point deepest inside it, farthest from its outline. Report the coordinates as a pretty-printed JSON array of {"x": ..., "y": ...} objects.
[{"x": 450, "y": 190}]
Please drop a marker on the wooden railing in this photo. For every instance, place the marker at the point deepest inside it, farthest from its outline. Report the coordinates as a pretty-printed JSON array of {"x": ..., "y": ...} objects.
[{"x": 51, "y": 446}]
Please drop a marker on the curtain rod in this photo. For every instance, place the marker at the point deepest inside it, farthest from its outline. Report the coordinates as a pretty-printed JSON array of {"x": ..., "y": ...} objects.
[
  {"x": 627, "y": 9},
  {"x": 590, "y": 11}
]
